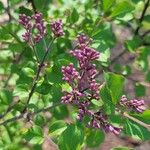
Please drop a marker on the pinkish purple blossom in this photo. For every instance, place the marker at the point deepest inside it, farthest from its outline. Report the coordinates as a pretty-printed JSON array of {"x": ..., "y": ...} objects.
[
  {"x": 25, "y": 22},
  {"x": 84, "y": 86},
  {"x": 85, "y": 54},
  {"x": 100, "y": 121},
  {"x": 31, "y": 23},
  {"x": 39, "y": 25},
  {"x": 111, "y": 128},
  {"x": 135, "y": 105},
  {"x": 57, "y": 29},
  {"x": 36, "y": 23},
  {"x": 70, "y": 73}
]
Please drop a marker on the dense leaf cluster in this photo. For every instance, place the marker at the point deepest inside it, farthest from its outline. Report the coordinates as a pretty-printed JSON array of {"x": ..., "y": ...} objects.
[{"x": 71, "y": 90}]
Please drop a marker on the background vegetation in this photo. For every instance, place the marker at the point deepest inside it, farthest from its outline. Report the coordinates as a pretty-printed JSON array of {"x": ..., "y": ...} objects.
[{"x": 120, "y": 30}]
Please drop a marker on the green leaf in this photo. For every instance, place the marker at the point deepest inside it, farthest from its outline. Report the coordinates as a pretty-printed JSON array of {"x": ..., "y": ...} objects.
[
  {"x": 34, "y": 135},
  {"x": 94, "y": 138},
  {"x": 139, "y": 90},
  {"x": 136, "y": 131},
  {"x": 6, "y": 97},
  {"x": 136, "y": 1},
  {"x": 71, "y": 138},
  {"x": 122, "y": 8},
  {"x": 24, "y": 10},
  {"x": 104, "y": 35},
  {"x": 107, "y": 4},
  {"x": 133, "y": 44},
  {"x": 66, "y": 87},
  {"x": 44, "y": 88},
  {"x": 143, "y": 116},
  {"x": 14, "y": 35},
  {"x": 104, "y": 50},
  {"x": 115, "y": 84},
  {"x": 97, "y": 102},
  {"x": 57, "y": 128},
  {"x": 21, "y": 91},
  {"x": 1, "y": 7},
  {"x": 28, "y": 71},
  {"x": 39, "y": 120},
  {"x": 107, "y": 100},
  {"x": 60, "y": 112},
  {"x": 147, "y": 18},
  {"x": 56, "y": 93},
  {"x": 74, "y": 16}
]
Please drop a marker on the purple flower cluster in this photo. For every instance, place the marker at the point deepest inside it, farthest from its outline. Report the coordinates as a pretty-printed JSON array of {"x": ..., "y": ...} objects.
[
  {"x": 70, "y": 74},
  {"x": 36, "y": 23},
  {"x": 84, "y": 85},
  {"x": 100, "y": 121},
  {"x": 39, "y": 25},
  {"x": 25, "y": 21},
  {"x": 135, "y": 105},
  {"x": 31, "y": 23},
  {"x": 57, "y": 29},
  {"x": 83, "y": 39}
]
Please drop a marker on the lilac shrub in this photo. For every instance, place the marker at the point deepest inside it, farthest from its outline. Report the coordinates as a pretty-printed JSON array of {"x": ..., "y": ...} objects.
[
  {"x": 85, "y": 86},
  {"x": 133, "y": 105},
  {"x": 37, "y": 23},
  {"x": 30, "y": 24},
  {"x": 57, "y": 29}
]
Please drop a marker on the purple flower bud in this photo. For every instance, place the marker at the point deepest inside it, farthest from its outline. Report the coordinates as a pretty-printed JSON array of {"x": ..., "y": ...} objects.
[
  {"x": 24, "y": 20},
  {"x": 39, "y": 25},
  {"x": 29, "y": 24},
  {"x": 70, "y": 73},
  {"x": 37, "y": 17},
  {"x": 83, "y": 39},
  {"x": 81, "y": 113},
  {"x": 67, "y": 98},
  {"x": 26, "y": 36},
  {"x": 57, "y": 29},
  {"x": 95, "y": 124},
  {"x": 84, "y": 55},
  {"x": 135, "y": 105}
]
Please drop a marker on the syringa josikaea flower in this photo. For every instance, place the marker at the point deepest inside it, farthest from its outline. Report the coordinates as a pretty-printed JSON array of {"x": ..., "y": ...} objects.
[
  {"x": 134, "y": 104},
  {"x": 57, "y": 29},
  {"x": 31, "y": 23},
  {"x": 35, "y": 27},
  {"x": 84, "y": 85}
]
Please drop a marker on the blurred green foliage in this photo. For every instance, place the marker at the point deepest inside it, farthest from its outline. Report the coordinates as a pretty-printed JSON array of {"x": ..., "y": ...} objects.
[{"x": 96, "y": 18}]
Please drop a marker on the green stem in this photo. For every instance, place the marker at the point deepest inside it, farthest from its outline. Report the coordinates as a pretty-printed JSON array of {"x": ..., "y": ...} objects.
[
  {"x": 34, "y": 50},
  {"x": 21, "y": 116},
  {"x": 147, "y": 126},
  {"x": 142, "y": 17},
  {"x": 38, "y": 74}
]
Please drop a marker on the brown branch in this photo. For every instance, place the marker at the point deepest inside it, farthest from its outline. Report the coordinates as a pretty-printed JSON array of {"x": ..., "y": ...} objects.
[
  {"x": 28, "y": 115},
  {"x": 8, "y": 11},
  {"x": 11, "y": 106},
  {"x": 38, "y": 74},
  {"x": 33, "y": 5},
  {"x": 142, "y": 17},
  {"x": 147, "y": 126},
  {"x": 146, "y": 32}
]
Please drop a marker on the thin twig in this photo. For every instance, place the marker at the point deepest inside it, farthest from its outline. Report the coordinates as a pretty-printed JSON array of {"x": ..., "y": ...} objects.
[
  {"x": 37, "y": 75},
  {"x": 147, "y": 126},
  {"x": 32, "y": 4},
  {"x": 145, "y": 33},
  {"x": 34, "y": 50},
  {"x": 142, "y": 17},
  {"x": 8, "y": 11},
  {"x": 10, "y": 107},
  {"x": 22, "y": 115}
]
